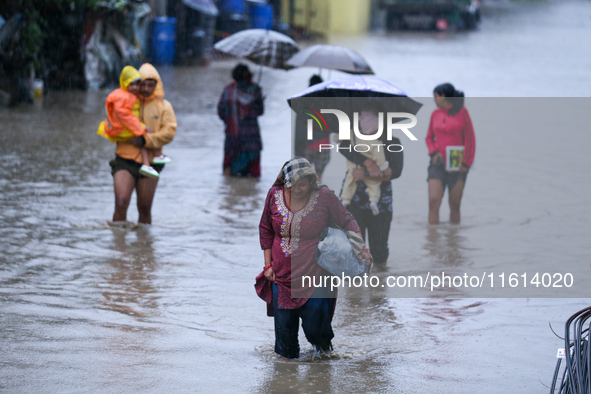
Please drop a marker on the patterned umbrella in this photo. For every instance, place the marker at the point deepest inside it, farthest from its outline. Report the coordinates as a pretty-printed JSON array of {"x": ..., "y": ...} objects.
[
  {"x": 265, "y": 47},
  {"x": 331, "y": 57}
]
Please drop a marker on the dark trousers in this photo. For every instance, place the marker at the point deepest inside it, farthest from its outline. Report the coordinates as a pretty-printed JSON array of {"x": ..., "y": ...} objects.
[
  {"x": 377, "y": 229},
  {"x": 316, "y": 316},
  {"x": 244, "y": 164}
]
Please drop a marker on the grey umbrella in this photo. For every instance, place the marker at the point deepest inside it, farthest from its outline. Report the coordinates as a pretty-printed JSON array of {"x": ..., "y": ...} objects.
[
  {"x": 331, "y": 57},
  {"x": 265, "y": 47}
]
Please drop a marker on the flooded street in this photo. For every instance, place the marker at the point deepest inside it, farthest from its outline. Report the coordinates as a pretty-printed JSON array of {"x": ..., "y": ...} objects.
[{"x": 87, "y": 306}]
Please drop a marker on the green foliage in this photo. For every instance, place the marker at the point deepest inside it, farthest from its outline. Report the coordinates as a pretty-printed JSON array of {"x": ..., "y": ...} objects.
[{"x": 31, "y": 34}]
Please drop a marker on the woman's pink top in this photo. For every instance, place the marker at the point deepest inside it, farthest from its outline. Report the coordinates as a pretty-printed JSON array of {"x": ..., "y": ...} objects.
[{"x": 451, "y": 130}]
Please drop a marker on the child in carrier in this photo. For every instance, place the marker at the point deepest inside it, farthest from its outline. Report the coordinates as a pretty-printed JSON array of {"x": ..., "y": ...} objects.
[
  {"x": 369, "y": 123},
  {"x": 122, "y": 123}
]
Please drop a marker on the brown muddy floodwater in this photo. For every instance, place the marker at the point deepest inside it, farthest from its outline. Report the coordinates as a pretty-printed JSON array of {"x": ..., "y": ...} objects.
[{"x": 89, "y": 307}]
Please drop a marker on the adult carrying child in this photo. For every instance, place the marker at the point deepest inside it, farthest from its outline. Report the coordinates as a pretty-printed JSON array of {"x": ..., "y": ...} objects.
[{"x": 122, "y": 124}]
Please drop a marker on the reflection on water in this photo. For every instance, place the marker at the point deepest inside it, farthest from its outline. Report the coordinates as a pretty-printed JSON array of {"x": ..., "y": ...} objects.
[
  {"x": 241, "y": 196},
  {"x": 128, "y": 287},
  {"x": 299, "y": 377},
  {"x": 360, "y": 360},
  {"x": 444, "y": 244}
]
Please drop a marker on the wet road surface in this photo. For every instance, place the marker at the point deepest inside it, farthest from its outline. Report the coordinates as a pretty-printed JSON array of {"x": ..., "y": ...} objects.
[{"x": 86, "y": 306}]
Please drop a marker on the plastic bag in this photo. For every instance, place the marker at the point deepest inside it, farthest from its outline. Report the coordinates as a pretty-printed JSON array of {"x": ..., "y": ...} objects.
[{"x": 335, "y": 254}]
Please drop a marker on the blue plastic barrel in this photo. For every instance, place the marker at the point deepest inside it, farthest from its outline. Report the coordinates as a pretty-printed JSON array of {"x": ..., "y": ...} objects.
[
  {"x": 163, "y": 40},
  {"x": 233, "y": 6},
  {"x": 261, "y": 16}
]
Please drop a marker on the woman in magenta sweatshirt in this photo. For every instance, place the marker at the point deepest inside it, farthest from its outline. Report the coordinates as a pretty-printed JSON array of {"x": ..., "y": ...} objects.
[{"x": 451, "y": 146}]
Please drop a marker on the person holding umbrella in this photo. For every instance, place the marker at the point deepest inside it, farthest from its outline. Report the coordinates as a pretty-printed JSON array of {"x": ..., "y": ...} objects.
[
  {"x": 242, "y": 101},
  {"x": 379, "y": 96},
  {"x": 239, "y": 107},
  {"x": 309, "y": 148},
  {"x": 374, "y": 219}
]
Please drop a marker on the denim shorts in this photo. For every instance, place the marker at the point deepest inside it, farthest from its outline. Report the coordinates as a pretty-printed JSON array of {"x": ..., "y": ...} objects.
[{"x": 448, "y": 179}]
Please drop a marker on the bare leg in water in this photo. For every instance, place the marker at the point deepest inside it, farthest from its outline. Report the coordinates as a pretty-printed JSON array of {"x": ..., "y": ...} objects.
[
  {"x": 145, "y": 189},
  {"x": 435, "y": 197},
  {"x": 123, "y": 183},
  {"x": 455, "y": 198}
]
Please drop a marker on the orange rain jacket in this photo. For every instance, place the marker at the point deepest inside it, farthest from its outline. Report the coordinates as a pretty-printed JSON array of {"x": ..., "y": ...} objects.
[
  {"x": 156, "y": 113},
  {"x": 122, "y": 110}
]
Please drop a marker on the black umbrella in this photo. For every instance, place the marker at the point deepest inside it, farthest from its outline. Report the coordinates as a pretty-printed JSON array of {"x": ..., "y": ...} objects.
[
  {"x": 350, "y": 95},
  {"x": 358, "y": 87}
]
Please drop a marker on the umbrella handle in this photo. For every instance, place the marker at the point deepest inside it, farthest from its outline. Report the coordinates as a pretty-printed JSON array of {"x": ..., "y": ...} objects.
[{"x": 260, "y": 75}]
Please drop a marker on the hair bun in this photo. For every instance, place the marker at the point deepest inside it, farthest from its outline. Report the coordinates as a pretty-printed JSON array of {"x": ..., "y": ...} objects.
[{"x": 458, "y": 93}]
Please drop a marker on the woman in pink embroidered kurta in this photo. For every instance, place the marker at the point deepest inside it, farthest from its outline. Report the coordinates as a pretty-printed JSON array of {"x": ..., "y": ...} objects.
[{"x": 289, "y": 238}]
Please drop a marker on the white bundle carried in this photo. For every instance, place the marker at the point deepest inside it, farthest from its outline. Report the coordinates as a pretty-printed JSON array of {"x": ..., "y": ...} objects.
[{"x": 335, "y": 254}]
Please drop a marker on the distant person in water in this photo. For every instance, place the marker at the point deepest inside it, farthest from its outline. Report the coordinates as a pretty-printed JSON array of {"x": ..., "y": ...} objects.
[
  {"x": 452, "y": 145},
  {"x": 239, "y": 107},
  {"x": 375, "y": 229},
  {"x": 368, "y": 124},
  {"x": 157, "y": 114},
  {"x": 296, "y": 209},
  {"x": 315, "y": 80},
  {"x": 122, "y": 123}
]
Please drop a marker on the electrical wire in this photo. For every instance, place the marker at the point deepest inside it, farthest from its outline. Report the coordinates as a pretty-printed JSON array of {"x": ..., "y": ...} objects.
[{"x": 576, "y": 375}]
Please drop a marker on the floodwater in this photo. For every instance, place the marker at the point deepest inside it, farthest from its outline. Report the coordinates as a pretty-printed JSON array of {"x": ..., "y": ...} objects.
[{"x": 86, "y": 306}]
